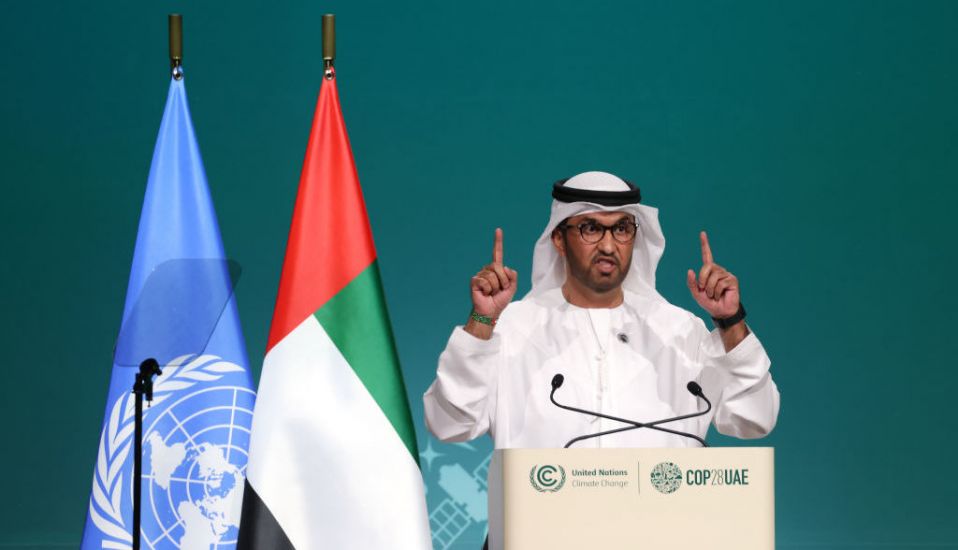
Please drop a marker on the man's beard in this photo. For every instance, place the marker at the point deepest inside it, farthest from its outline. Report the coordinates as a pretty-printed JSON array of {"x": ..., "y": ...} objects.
[{"x": 583, "y": 271}]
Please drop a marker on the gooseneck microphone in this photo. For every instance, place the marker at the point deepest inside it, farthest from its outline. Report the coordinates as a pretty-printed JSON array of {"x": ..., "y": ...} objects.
[
  {"x": 692, "y": 387},
  {"x": 696, "y": 390},
  {"x": 557, "y": 381}
]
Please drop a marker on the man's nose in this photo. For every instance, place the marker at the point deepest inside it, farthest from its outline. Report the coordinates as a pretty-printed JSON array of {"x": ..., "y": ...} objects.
[{"x": 607, "y": 242}]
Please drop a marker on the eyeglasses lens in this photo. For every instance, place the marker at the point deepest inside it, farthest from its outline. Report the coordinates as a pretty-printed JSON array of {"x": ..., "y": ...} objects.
[{"x": 592, "y": 232}]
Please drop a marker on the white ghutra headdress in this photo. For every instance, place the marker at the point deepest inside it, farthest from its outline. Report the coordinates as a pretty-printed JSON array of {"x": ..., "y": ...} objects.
[{"x": 599, "y": 192}]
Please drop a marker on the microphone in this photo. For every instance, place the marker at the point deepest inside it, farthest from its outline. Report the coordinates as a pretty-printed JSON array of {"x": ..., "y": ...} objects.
[{"x": 692, "y": 387}]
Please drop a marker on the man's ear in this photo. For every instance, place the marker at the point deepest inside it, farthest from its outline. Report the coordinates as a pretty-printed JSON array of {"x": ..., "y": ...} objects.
[{"x": 558, "y": 241}]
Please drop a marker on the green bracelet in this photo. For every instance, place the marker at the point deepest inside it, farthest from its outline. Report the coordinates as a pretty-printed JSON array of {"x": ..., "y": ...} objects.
[{"x": 482, "y": 319}]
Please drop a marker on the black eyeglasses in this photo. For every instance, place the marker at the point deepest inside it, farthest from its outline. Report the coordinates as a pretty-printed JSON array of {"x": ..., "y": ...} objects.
[{"x": 592, "y": 232}]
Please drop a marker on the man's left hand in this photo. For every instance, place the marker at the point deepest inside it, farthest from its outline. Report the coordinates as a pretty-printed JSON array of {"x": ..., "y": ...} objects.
[{"x": 716, "y": 290}]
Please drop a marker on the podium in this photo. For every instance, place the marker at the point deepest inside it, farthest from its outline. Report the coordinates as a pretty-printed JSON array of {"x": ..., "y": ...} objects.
[{"x": 611, "y": 499}]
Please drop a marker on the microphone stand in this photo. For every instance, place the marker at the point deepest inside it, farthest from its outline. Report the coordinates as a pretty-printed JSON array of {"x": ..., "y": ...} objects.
[{"x": 142, "y": 387}]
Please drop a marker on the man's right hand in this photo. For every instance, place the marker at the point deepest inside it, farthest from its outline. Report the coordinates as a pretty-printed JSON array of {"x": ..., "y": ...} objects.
[{"x": 492, "y": 289}]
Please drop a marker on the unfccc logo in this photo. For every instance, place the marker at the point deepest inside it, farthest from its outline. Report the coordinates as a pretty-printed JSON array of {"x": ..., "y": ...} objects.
[{"x": 547, "y": 478}]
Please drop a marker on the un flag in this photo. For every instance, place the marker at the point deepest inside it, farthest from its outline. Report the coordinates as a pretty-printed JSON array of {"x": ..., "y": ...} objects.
[{"x": 180, "y": 310}]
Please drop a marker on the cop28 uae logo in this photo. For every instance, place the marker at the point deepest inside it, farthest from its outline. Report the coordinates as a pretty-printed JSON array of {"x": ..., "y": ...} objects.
[
  {"x": 666, "y": 477},
  {"x": 547, "y": 478}
]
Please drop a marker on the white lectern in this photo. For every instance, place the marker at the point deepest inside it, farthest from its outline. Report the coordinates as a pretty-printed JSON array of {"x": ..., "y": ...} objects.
[{"x": 611, "y": 499}]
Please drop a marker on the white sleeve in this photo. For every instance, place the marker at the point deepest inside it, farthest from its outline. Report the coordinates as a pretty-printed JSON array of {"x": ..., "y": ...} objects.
[
  {"x": 460, "y": 403},
  {"x": 739, "y": 385}
]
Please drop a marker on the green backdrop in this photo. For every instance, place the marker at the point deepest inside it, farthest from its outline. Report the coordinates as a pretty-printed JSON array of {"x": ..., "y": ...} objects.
[{"x": 815, "y": 141}]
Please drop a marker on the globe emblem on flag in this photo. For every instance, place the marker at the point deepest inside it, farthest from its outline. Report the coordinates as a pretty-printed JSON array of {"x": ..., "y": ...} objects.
[
  {"x": 196, "y": 432},
  {"x": 195, "y": 463}
]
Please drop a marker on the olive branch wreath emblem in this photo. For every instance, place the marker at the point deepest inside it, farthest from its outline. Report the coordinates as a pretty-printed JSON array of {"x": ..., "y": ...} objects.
[
  {"x": 542, "y": 484},
  {"x": 116, "y": 440}
]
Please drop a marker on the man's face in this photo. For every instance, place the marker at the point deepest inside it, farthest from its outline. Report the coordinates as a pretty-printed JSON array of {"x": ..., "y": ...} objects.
[{"x": 599, "y": 266}]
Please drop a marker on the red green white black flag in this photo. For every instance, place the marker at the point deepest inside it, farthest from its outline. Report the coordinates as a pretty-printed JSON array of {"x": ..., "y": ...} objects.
[{"x": 333, "y": 459}]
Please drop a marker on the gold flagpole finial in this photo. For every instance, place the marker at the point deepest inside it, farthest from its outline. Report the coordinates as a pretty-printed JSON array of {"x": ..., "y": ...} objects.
[
  {"x": 176, "y": 45},
  {"x": 329, "y": 44}
]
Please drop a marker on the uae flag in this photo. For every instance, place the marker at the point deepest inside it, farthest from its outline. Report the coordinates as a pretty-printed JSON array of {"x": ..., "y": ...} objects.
[{"x": 333, "y": 459}]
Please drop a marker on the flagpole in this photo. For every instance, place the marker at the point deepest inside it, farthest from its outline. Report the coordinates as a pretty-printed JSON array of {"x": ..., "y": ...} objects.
[
  {"x": 329, "y": 45},
  {"x": 176, "y": 45}
]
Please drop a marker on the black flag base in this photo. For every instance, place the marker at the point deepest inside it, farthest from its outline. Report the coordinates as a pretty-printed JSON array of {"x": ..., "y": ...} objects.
[{"x": 258, "y": 527}]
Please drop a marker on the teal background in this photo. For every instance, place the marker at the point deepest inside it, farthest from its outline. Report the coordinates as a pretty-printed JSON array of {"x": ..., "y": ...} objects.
[{"x": 815, "y": 141}]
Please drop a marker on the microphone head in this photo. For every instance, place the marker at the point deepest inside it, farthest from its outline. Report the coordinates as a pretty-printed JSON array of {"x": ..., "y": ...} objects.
[
  {"x": 557, "y": 381},
  {"x": 150, "y": 366},
  {"x": 694, "y": 388}
]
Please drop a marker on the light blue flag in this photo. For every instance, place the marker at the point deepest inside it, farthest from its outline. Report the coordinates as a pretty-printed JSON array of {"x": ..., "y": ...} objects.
[{"x": 180, "y": 310}]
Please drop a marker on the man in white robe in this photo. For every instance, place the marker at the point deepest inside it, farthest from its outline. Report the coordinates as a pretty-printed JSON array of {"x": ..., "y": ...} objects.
[{"x": 594, "y": 316}]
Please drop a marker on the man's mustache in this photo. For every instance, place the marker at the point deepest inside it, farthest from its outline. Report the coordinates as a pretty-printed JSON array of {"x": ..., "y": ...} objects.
[{"x": 605, "y": 256}]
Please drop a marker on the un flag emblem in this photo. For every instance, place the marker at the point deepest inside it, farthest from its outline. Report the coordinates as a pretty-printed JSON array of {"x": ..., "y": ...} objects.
[
  {"x": 196, "y": 437},
  {"x": 196, "y": 461}
]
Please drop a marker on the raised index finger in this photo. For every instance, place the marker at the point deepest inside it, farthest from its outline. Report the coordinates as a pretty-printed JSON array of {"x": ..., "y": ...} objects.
[
  {"x": 706, "y": 249},
  {"x": 497, "y": 247}
]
